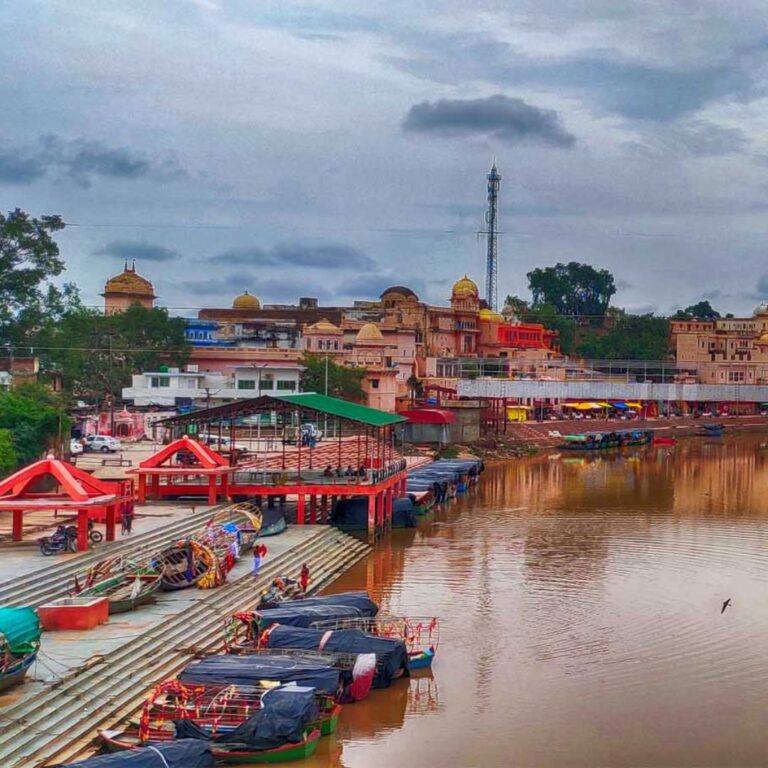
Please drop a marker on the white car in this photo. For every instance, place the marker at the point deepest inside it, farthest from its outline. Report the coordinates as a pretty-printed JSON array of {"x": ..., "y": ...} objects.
[
  {"x": 102, "y": 443},
  {"x": 75, "y": 447}
]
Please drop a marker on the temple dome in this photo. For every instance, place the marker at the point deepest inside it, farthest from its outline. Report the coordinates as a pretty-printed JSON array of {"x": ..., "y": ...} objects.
[
  {"x": 324, "y": 326},
  {"x": 246, "y": 301},
  {"x": 129, "y": 283},
  {"x": 369, "y": 333},
  {"x": 399, "y": 291},
  {"x": 761, "y": 309},
  {"x": 489, "y": 316},
  {"x": 465, "y": 288}
]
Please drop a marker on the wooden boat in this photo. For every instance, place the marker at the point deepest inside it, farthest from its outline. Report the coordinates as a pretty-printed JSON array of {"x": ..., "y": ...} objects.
[
  {"x": 126, "y": 585},
  {"x": 591, "y": 441},
  {"x": 664, "y": 441},
  {"x": 273, "y": 522},
  {"x": 118, "y": 741},
  {"x": 423, "y": 501},
  {"x": 420, "y": 634},
  {"x": 19, "y": 644},
  {"x": 186, "y": 563}
]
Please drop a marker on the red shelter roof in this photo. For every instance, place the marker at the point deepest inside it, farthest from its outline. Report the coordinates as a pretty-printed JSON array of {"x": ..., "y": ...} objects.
[
  {"x": 76, "y": 484},
  {"x": 206, "y": 457},
  {"x": 429, "y": 416}
]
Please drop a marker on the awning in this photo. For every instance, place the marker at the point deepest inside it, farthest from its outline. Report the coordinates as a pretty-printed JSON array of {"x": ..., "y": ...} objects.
[
  {"x": 635, "y": 405},
  {"x": 429, "y": 416},
  {"x": 620, "y": 406}
]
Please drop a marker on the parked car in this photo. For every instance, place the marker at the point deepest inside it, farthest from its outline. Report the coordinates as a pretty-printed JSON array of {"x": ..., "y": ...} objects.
[
  {"x": 75, "y": 447},
  {"x": 102, "y": 443}
]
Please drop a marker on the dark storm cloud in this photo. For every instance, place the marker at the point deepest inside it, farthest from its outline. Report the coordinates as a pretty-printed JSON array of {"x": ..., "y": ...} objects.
[
  {"x": 141, "y": 251},
  {"x": 16, "y": 169},
  {"x": 268, "y": 291},
  {"x": 329, "y": 256},
  {"x": 80, "y": 161},
  {"x": 508, "y": 119}
]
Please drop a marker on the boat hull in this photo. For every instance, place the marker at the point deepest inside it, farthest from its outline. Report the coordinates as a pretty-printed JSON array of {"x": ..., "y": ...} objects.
[
  {"x": 284, "y": 754},
  {"x": 16, "y": 672},
  {"x": 421, "y": 660}
]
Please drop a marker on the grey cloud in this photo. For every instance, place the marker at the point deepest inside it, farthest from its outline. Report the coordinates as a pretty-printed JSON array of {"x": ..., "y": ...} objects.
[
  {"x": 508, "y": 119},
  {"x": 81, "y": 161},
  {"x": 762, "y": 286},
  {"x": 139, "y": 250},
  {"x": 17, "y": 169},
  {"x": 269, "y": 291},
  {"x": 371, "y": 286},
  {"x": 693, "y": 139},
  {"x": 329, "y": 256}
]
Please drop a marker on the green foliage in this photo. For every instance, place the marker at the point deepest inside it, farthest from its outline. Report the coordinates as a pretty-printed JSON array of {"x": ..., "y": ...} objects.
[
  {"x": 516, "y": 305},
  {"x": 29, "y": 258},
  {"x": 633, "y": 337},
  {"x": 8, "y": 459},
  {"x": 343, "y": 381},
  {"x": 33, "y": 419},
  {"x": 447, "y": 452},
  {"x": 96, "y": 354},
  {"x": 574, "y": 290},
  {"x": 702, "y": 310}
]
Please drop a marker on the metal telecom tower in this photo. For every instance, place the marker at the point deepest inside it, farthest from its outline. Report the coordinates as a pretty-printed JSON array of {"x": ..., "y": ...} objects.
[{"x": 492, "y": 232}]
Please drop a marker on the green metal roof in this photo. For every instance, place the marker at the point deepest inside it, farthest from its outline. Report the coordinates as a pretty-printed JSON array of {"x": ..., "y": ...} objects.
[
  {"x": 21, "y": 629},
  {"x": 333, "y": 406}
]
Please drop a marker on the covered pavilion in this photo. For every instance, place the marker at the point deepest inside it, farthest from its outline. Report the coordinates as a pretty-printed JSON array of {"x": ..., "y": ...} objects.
[
  {"x": 355, "y": 437},
  {"x": 177, "y": 463},
  {"x": 76, "y": 491}
]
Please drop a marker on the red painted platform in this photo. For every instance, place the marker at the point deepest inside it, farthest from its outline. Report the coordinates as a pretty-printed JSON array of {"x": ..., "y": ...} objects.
[{"x": 74, "y": 613}]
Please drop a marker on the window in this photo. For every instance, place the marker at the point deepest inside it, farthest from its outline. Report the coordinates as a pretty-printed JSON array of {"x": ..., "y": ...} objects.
[
  {"x": 267, "y": 382},
  {"x": 286, "y": 385},
  {"x": 246, "y": 384},
  {"x": 374, "y": 383},
  {"x": 160, "y": 381}
]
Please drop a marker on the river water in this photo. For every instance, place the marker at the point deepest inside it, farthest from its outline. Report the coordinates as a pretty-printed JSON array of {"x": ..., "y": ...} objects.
[{"x": 580, "y": 605}]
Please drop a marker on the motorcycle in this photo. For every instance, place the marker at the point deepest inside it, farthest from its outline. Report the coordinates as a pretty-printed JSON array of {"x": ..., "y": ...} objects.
[
  {"x": 59, "y": 541},
  {"x": 94, "y": 536}
]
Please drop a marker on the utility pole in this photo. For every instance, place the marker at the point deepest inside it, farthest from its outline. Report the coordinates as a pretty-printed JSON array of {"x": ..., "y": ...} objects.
[{"x": 492, "y": 234}]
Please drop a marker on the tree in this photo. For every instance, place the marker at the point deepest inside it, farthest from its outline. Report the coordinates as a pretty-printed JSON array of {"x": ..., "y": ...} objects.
[
  {"x": 343, "y": 381},
  {"x": 702, "y": 310},
  {"x": 548, "y": 316},
  {"x": 632, "y": 337},
  {"x": 34, "y": 419},
  {"x": 29, "y": 258},
  {"x": 96, "y": 354},
  {"x": 574, "y": 290},
  {"x": 8, "y": 458},
  {"x": 515, "y": 305}
]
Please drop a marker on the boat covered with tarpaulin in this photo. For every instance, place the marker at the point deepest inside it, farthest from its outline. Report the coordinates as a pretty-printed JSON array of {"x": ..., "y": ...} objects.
[
  {"x": 591, "y": 441},
  {"x": 278, "y": 732},
  {"x": 19, "y": 643},
  {"x": 391, "y": 653},
  {"x": 308, "y": 610},
  {"x": 310, "y": 671},
  {"x": 180, "y": 753},
  {"x": 273, "y": 522},
  {"x": 351, "y": 514}
]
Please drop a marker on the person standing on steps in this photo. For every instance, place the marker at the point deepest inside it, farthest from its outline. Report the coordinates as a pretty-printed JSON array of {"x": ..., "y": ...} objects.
[
  {"x": 259, "y": 551},
  {"x": 304, "y": 578}
]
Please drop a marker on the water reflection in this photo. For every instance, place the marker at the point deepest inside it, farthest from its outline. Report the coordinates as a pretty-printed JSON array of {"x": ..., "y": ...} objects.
[{"x": 580, "y": 616}]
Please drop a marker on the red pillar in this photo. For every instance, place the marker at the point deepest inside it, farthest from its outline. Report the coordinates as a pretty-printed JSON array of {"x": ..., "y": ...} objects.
[
  {"x": 313, "y": 509},
  {"x": 82, "y": 529},
  {"x": 17, "y": 525},
  {"x": 371, "y": 517},
  {"x": 156, "y": 486},
  {"x": 111, "y": 509},
  {"x": 224, "y": 485},
  {"x": 390, "y": 503},
  {"x": 212, "y": 489},
  {"x": 300, "y": 514},
  {"x": 142, "y": 489}
]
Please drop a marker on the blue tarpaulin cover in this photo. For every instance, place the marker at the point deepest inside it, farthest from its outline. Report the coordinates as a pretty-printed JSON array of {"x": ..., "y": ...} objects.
[
  {"x": 250, "y": 670},
  {"x": 391, "y": 654},
  {"x": 183, "y": 753},
  {"x": 303, "y": 613},
  {"x": 283, "y": 719}
]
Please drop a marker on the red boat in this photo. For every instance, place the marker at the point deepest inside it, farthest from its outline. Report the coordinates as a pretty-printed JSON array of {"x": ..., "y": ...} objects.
[{"x": 664, "y": 440}]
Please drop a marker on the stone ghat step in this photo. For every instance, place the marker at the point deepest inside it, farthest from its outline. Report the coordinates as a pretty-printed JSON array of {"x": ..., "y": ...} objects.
[
  {"x": 61, "y": 723},
  {"x": 55, "y": 579}
]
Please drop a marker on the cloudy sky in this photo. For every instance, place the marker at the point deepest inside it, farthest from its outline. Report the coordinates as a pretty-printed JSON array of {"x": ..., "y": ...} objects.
[{"x": 332, "y": 148}]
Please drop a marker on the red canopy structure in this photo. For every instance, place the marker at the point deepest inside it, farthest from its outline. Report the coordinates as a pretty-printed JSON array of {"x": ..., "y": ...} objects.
[
  {"x": 429, "y": 416},
  {"x": 181, "y": 459},
  {"x": 76, "y": 490}
]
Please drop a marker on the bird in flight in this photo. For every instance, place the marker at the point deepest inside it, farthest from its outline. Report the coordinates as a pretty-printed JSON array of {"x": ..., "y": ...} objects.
[{"x": 726, "y": 603}]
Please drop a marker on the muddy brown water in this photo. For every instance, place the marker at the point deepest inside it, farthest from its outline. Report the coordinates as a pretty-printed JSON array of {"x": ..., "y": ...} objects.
[{"x": 580, "y": 602}]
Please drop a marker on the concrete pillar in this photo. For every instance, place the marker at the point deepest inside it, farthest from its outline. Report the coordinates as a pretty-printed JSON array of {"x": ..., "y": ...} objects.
[
  {"x": 111, "y": 510},
  {"x": 17, "y": 525},
  {"x": 212, "y": 489},
  {"x": 371, "y": 518},
  {"x": 82, "y": 530},
  {"x": 300, "y": 513},
  {"x": 142, "y": 489}
]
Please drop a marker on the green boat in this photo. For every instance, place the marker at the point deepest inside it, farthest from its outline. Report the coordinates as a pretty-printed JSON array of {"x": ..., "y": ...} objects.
[
  {"x": 19, "y": 643},
  {"x": 284, "y": 754},
  {"x": 126, "y": 591}
]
